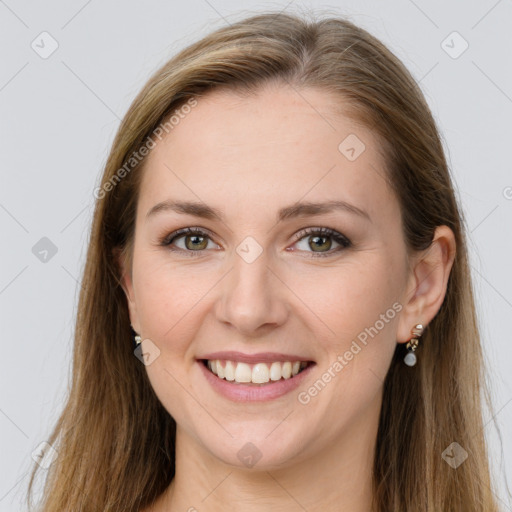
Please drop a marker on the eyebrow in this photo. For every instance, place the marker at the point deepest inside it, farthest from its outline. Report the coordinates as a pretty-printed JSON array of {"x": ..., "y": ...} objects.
[{"x": 300, "y": 209}]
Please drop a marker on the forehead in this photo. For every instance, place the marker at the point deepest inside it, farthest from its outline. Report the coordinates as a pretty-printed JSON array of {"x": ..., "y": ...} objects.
[{"x": 276, "y": 146}]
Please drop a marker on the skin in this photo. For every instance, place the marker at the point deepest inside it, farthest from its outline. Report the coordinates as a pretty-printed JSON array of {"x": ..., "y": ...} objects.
[{"x": 249, "y": 157}]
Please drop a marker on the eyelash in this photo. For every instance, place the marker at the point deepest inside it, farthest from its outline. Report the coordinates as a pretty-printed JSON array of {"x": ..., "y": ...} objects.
[{"x": 342, "y": 240}]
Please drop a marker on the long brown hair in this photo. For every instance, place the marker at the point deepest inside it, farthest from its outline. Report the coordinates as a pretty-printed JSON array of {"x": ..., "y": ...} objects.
[{"x": 115, "y": 441}]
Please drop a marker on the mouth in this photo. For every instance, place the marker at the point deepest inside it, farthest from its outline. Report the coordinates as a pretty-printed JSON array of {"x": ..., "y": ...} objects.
[{"x": 257, "y": 374}]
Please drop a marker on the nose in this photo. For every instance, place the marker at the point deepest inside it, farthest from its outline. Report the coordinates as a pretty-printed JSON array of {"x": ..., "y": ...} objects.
[{"x": 253, "y": 297}]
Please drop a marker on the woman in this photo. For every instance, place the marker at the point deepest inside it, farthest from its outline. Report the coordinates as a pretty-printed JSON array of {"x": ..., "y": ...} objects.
[{"x": 277, "y": 230}]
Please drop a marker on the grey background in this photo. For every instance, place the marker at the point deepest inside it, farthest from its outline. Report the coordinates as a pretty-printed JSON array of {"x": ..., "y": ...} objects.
[{"x": 58, "y": 119}]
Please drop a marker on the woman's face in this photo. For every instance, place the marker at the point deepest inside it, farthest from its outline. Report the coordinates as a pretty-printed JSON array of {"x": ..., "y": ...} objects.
[{"x": 260, "y": 279}]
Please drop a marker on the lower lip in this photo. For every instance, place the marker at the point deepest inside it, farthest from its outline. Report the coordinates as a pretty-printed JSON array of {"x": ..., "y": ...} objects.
[{"x": 239, "y": 392}]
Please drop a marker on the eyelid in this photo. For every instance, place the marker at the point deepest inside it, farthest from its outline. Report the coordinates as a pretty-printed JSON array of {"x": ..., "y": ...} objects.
[
  {"x": 321, "y": 231},
  {"x": 192, "y": 230}
]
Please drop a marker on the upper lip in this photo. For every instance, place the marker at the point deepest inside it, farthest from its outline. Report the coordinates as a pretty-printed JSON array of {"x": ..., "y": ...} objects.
[{"x": 261, "y": 357}]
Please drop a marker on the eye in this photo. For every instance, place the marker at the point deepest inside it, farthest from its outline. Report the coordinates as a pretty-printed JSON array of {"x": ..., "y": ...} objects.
[
  {"x": 318, "y": 239},
  {"x": 194, "y": 240}
]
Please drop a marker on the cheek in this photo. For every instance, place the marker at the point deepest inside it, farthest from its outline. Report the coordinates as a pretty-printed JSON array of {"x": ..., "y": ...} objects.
[
  {"x": 168, "y": 297},
  {"x": 352, "y": 297},
  {"x": 358, "y": 303},
  {"x": 376, "y": 305}
]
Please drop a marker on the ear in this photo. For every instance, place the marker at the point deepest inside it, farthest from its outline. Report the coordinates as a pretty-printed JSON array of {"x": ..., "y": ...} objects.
[
  {"x": 428, "y": 279},
  {"x": 127, "y": 285}
]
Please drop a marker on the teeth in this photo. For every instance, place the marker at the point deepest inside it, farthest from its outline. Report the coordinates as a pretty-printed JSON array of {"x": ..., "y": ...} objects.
[
  {"x": 242, "y": 373},
  {"x": 229, "y": 370},
  {"x": 275, "y": 371},
  {"x": 220, "y": 370},
  {"x": 259, "y": 373},
  {"x": 287, "y": 370}
]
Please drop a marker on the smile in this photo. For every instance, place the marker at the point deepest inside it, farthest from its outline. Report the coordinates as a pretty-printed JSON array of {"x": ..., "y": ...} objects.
[
  {"x": 258, "y": 373},
  {"x": 254, "y": 382}
]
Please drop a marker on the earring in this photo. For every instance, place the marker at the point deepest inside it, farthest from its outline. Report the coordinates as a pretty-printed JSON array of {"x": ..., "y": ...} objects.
[
  {"x": 410, "y": 358},
  {"x": 136, "y": 339}
]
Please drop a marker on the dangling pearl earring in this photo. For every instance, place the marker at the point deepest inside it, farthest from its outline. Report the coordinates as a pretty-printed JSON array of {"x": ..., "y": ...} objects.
[{"x": 410, "y": 358}]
